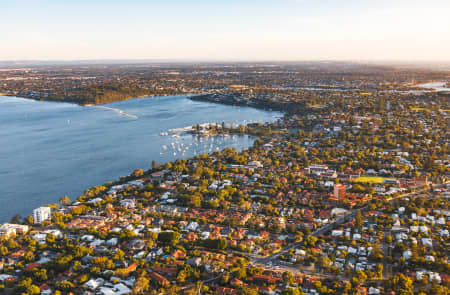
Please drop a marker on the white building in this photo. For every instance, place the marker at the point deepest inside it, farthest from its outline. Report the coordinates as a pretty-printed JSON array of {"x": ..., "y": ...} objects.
[
  {"x": 128, "y": 203},
  {"x": 41, "y": 214},
  {"x": 255, "y": 164},
  {"x": 93, "y": 284},
  {"x": 8, "y": 229},
  {"x": 118, "y": 289}
]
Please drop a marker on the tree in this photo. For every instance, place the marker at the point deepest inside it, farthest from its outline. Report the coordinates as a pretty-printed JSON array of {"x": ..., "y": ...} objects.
[
  {"x": 292, "y": 291},
  {"x": 142, "y": 284},
  {"x": 173, "y": 290},
  {"x": 216, "y": 243},
  {"x": 29, "y": 220},
  {"x": 241, "y": 273},
  {"x": 138, "y": 173},
  {"x": 65, "y": 201},
  {"x": 64, "y": 286},
  {"x": 194, "y": 200},
  {"x": 26, "y": 286},
  {"x": 248, "y": 291},
  {"x": 168, "y": 237},
  {"x": 29, "y": 256},
  {"x": 379, "y": 270},
  {"x": 3, "y": 251},
  {"x": 324, "y": 262},
  {"x": 103, "y": 262},
  {"x": 361, "y": 275},
  {"x": 311, "y": 241},
  {"x": 288, "y": 278},
  {"x": 16, "y": 218},
  {"x": 225, "y": 278},
  {"x": 377, "y": 253},
  {"x": 181, "y": 277},
  {"x": 119, "y": 255},
  {"x": 359, "y": 221},
  {"x": 241, "y": 128},
  {"x": 401, "y": 284},
  {"x": 50, "y": 238},
  {"x": 388, "y": 239}
]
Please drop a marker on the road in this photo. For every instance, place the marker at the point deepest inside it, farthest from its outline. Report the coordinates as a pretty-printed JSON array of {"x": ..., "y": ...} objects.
[
  {"x": 272, "y": 260},
  {"x": 320, "y": 231}
]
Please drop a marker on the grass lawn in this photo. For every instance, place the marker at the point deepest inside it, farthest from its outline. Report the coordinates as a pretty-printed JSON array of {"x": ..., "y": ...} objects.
[
  {"x": 369, "y": 179},
  {"x": 417, "y": 109}
]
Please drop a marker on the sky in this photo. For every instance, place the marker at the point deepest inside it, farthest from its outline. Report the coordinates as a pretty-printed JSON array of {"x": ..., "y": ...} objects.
[{"x": 225, "y": 30}]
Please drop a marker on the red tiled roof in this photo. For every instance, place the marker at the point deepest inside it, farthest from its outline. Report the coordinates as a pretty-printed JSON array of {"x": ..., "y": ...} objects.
[
  {"x": 32, "y": 265},
  {"x": 224, "y": 290}
]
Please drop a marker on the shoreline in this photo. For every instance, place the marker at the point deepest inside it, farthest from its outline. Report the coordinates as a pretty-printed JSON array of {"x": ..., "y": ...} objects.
[
  {"x": 94, "y": 104},
  {"x": 237, "y": 100},
  {"x": 434, "y": 86},
  {"x": 230, "y": 132}
]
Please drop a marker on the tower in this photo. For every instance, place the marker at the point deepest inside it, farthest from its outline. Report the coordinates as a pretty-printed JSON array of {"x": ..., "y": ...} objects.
[{"x": 339, "y": 191}]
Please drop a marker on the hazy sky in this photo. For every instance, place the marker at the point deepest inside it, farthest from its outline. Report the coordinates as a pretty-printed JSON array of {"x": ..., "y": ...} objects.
[{"x": 225, "y": 29}]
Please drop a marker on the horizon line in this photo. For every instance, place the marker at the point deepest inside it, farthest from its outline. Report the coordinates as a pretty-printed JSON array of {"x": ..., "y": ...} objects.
[{"x": 187, "y": 60}]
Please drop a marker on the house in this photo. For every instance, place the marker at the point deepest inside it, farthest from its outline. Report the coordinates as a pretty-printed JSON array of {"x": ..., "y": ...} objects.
[
  {"x": 194, "y": 261},
  {"x": 118, "y": 289},
  {"x": 128, "y": 203},
  {"x": 407, "y": 254},
  {"x": 379, "y": 188},
  {"x": 427, "y": 242},
  {"x": 374, "y": 291},
  {"x": 7, "y": 230},
  {"x": 93, "y": 284},
  {"x": 158, "y": 279},
  {"x": 5, "y": 277},
  {"x": 191, "y": 237},
  {"x": 112, "y": 242},
  {"x": 132, "y": 267},
  {"x": 193, "y": 226},
  {"x": 420, "y": 181},
  {"x": 167, "y": 271},
  {"x": 136, "y": 244},
  {"x": 31, "y": 266},
  {"x": 338, "y": 211},
  {"x": 95, "y": 201},
  {"x": 263, "y": 279},
  {"x": 226, "y": 291},
  {"x": 337, "y": 233},
  {"x": 45, "y": 289},
  {"x": 178, "y": 254},
  {"x": 432, "y": 276},
  {"x": 255, "y": 164}
]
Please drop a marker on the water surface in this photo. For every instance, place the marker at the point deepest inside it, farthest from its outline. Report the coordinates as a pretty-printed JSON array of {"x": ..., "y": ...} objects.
[
  {"x": 436, "y": 86},
  {"x": 49, "y": 149}
]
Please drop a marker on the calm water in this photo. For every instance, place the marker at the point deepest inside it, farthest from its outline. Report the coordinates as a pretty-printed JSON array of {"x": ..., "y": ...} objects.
[
  {"x": 437, "y": 86},
  {"x": 48, "y": 150}
]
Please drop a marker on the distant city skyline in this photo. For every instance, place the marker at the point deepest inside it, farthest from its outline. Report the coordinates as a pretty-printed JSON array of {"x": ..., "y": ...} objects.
[{"x": 246, "y": 30}]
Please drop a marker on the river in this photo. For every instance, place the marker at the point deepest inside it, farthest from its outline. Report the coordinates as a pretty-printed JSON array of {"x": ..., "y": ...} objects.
[
  {"x": 436, "y": 86},
  {"x": 50, "y": 149}
]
